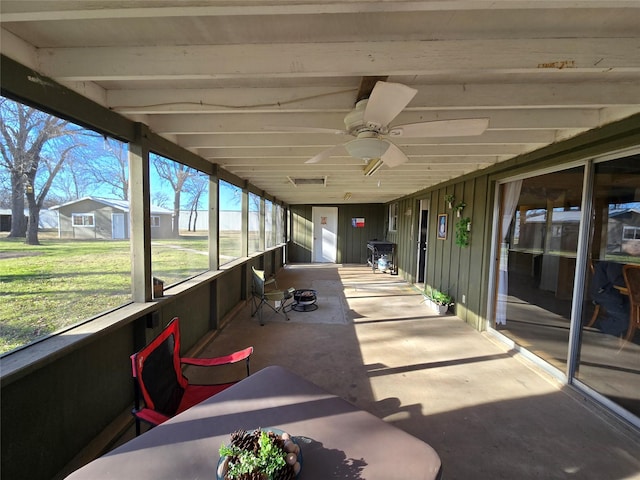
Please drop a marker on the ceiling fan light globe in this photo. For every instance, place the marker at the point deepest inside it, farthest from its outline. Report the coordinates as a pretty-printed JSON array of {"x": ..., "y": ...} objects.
[{"x": 366, "y": 148}]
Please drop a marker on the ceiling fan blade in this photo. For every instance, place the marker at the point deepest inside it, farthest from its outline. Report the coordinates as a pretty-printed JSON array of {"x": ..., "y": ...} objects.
[
  {"x": 461, "y": 127},
  {"x": 366, "y": 86},
  {"x": 305, "y": 130},
  {"x": 394, "y": 156},
  {"x": 323, "y": 155},
  {"x": 387, "y": 100}
]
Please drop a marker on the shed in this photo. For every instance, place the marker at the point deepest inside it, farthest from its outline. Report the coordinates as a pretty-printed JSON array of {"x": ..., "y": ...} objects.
[
  {"x": 106, "y": 219},
  {"x": 48, "y": 220}
]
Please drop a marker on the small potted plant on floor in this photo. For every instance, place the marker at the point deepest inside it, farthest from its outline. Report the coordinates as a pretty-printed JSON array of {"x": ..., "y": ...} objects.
[{"x": 439, "y": 301}]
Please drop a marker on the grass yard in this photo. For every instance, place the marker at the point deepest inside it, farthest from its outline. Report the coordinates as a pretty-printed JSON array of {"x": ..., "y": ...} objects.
[{"x": 44, "y": 288}]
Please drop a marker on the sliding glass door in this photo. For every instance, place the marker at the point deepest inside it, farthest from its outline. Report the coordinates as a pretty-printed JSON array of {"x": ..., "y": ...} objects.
[
  {"x": 609, "y": 359},
  {"x": 539, "y": 225},
  {"x": 540, "y": 219}
]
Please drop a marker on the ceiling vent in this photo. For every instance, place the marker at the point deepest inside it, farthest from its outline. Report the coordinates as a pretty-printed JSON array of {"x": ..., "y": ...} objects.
[{"x": 308, "y": 181}]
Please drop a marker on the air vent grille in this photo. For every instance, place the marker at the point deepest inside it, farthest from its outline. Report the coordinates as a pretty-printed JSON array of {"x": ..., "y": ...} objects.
[{"x": 308, "y": 181}]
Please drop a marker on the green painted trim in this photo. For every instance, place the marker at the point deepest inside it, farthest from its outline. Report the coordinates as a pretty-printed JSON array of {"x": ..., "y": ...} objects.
[
  {"x": 28, "y": 86},
  {"x": 614, "y": 136}
]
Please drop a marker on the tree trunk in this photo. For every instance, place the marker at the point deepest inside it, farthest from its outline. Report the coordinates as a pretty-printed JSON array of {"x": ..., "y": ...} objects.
[
  {"x": 34, "y": 220},
  {"x": 190, "y": 220},
  {"x": 176, "y": 214},
  {"x": 32, "y": 229},
  {"x": 18, "y": 220}
]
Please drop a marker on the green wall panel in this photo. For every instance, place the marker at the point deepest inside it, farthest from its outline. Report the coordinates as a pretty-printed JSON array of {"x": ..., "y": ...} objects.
[
  {"x": 52, "y": 413},
  {"x": 352, "y": 241}
]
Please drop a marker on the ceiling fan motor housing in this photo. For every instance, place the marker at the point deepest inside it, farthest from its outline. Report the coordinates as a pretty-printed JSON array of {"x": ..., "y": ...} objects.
[{"x": 354, "y": 120}]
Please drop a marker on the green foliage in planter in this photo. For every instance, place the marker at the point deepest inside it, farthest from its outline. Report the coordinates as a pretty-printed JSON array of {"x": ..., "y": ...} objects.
[
  {"x": 268, "y": 460},
  {"x": 449, "y": 199},
  {"x": 459, "y": 207},
  {"x": 440, "y": 298},
  {"x": 462, "y": 232}
]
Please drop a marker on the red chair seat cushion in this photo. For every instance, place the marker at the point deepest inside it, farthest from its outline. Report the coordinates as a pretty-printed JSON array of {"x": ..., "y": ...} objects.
[{"x": 195, "y": 394}]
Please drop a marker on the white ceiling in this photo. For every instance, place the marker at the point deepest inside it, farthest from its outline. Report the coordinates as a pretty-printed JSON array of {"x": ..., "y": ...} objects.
[{"x": 229, "y": 79}]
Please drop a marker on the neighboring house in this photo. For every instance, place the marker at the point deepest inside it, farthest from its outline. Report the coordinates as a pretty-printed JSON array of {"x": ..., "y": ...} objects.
[
  {"x": 624, "y": 226},
  {"x": 106, "y": 219},
  {"x": 48, "y": 220},
  {"x": 5, "y": 220},
  {"x": 623, "y": 231}
]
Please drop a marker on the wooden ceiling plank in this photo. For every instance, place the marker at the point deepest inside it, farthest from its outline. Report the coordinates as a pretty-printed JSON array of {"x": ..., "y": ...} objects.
[{"x": 524, "y": 55}]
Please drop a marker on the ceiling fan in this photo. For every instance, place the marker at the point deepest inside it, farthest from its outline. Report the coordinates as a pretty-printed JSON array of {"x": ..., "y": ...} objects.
[{"x": 369, "y": 123}]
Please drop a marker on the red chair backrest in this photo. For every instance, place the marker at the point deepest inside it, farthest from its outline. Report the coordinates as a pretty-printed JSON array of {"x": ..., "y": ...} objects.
[{"x": 158, "y": 372}]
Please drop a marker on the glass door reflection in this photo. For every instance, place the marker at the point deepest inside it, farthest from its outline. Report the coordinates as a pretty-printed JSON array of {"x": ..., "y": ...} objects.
[{"x": 610, "y": 349}]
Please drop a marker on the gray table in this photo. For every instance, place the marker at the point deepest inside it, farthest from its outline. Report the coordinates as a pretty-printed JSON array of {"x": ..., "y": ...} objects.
[{"x": 337, "y": 439}]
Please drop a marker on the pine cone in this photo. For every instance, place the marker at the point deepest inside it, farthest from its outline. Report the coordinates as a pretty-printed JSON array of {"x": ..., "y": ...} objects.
[
  {"x": 276, "y": 440},
  {"x": 285, "y": 473},
  {"x": 249, "y": 476},
  {"x": 245, "y": 441},
  {"x": 253, "y": 476}
]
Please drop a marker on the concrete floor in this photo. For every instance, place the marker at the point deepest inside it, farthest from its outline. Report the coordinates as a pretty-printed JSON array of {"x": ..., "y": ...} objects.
[{"x": 489, "y": 413}]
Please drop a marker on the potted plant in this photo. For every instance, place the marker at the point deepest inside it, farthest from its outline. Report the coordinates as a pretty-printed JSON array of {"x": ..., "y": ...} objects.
[
  {"x": 449, "y": 199},
  {"x": 459, "y": 207},
  {"x": 261, "y": 454},
  {"x": 463, "y": 228},
  {"x": 439, "y": 301}
]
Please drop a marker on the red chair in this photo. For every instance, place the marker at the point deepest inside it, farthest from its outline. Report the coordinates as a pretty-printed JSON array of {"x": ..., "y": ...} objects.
[{"x": 159, "y": 380}]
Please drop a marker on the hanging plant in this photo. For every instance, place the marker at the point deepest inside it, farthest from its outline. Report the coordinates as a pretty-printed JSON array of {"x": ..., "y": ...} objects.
[
  {"x": 449, "y": 199},
  {"x": 459, "y": 207},
  {"x": 462, "y": 232}
]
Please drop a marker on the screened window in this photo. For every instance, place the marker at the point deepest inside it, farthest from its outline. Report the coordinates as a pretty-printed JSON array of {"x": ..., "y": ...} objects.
[
  {"x": 180, "y": 237},
  {"x": 280, "y": 224},
  {"x": 269, "y": 233},
  {"x": 230, "y": 222},
  {"x": 80, "y": 230},
  {"x": 254, "y": 223}
]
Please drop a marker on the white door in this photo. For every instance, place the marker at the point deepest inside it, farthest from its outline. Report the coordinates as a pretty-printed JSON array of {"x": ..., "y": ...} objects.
[
  {"x": 325, "y": 234},
  {"x": 117, "y": 226}
]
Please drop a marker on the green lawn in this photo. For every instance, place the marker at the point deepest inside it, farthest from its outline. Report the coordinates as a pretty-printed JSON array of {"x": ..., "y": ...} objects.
[{"x": 61, "y": 282}]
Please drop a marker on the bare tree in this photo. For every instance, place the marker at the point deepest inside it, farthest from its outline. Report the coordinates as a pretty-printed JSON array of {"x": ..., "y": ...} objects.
[
  {"x": 195, "y": 187},
  {"x": 176, "y": 174},
  {"x": 73, "y": 182},
  {"x": 5, "y": 189},
  {"x": 36, "y": 197},
  {"x": 160, "y": 199},
  {"x": 112, "y": 168},
  {"x": 28, "y": 147}
]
